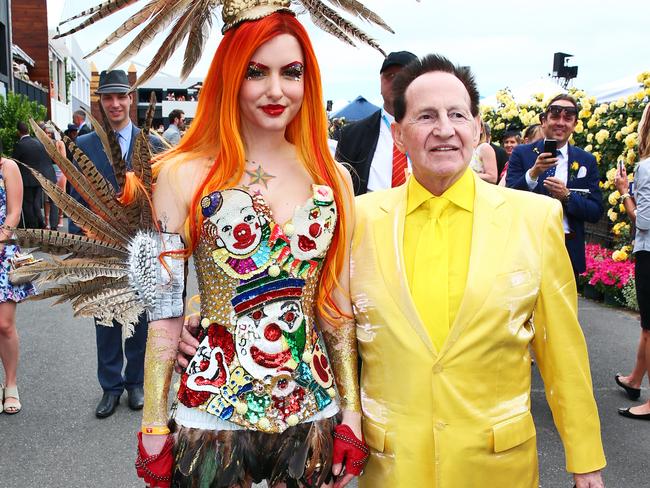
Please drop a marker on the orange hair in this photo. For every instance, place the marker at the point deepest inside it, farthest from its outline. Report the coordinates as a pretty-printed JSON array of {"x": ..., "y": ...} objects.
[{"x": 215, "y": 132}]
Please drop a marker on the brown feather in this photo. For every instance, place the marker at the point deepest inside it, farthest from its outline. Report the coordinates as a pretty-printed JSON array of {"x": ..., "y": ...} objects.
[
  {"x": 100, "y": 130},
  {"x": 158, "y": 23},
  {"x": 115, "y": 155},
  {"x": 136, "y": 20},
  {"x": 318, "y": 10},
  {"x": 202, "y": 24},
  {"x": 79, "y": 214},
  {"x": 60, "y": 243},
  {"x": 78, "y": 269},
  {"x": 109, "y": 211},
  {"x": 73, "y": 290},
  {"x": 179, "y": 31},
  {"x": 358, "y": 9},
  {"x": 96, "y": 13}
]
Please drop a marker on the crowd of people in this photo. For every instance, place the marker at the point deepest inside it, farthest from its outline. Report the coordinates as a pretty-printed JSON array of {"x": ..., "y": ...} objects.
[{"x": 314, "y": 303}]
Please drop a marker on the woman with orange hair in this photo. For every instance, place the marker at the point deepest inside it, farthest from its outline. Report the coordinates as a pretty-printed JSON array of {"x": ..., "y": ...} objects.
[{"x": 267, "y": 214}]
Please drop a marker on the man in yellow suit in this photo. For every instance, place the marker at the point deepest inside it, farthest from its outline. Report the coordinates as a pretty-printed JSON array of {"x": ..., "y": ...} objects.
[{"x": 465, "y": 276}]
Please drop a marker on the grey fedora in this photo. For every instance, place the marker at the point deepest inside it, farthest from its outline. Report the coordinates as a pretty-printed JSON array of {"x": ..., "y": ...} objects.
[{"x": 115, "y": 81}]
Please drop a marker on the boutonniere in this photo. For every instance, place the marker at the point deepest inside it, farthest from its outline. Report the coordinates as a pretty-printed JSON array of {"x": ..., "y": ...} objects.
[
  {"x": 535, "y": 150},
  {"x": 574, "y": 170}
]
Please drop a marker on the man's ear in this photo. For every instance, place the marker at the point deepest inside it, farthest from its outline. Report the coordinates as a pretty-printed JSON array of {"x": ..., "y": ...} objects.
[
  {"x": 396, "y": 129},
  {"x": 477, "y": 129}
]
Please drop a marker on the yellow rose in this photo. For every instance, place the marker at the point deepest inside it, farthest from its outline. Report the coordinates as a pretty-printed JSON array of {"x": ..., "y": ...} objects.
[
  {"x": 601, "y": 184},
  {"x": 612, "y": 215},
  {"x": 613, "y": 197},
  {"x": 500, "y": 126},
  {"x": 647, "y": 92},
  {"x": 631, "y": 140},
  {"x": 602, "y": 135},
  {"x": 619, "y": 136},
  {"x": 591, "y": 123},
  {"x": 611, "y": 173},
  {"x": 631, "y": 156},
  {"x": 584, "y": 114},
  {"x": 619, "y": 255},
  {"x": 621, "y": 208},
  {"x": 590, "y": 137},
  {"x": 579, "y": 127},
  {"x": 625, "y": 131},
  {"x": 588, "y": 147},
  {"x": 620, "y": 103},
  {"x": 597, "y": 155},
  {"x": 610, "y": 123}
]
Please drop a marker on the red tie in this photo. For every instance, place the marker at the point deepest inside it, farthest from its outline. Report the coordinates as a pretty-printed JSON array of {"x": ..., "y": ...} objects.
[{"x": 399, "y": 167}]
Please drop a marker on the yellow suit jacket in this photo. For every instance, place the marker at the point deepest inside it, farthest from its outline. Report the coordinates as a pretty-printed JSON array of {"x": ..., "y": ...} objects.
[{"x": 460, "y": 417}]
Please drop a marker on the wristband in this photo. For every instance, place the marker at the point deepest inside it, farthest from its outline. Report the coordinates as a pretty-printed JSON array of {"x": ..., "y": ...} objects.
[
  {"x": 625, "y": 196},
  {"x": 155, "y": 430}
]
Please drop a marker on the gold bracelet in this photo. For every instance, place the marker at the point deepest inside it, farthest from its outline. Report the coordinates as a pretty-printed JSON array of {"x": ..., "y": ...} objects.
[
  {"x": 624, "y": 196},
  {"x": 156, "y": 430}
]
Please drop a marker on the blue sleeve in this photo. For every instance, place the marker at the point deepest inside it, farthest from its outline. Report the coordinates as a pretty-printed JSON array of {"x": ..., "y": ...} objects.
[
  {"x": 587, "y": 207},
  {"x": 516, "y": 175}
]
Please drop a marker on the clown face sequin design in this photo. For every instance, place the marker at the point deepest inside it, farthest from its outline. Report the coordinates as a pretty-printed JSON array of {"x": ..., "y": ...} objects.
[{"x": 262, "y": 364}]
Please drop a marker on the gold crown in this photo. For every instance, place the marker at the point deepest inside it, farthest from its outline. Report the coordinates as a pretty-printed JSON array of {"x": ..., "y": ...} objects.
[{"x": 236, "y": 11}]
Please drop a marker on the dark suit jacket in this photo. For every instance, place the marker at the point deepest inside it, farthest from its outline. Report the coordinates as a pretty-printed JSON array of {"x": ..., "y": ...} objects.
[
  {"x": 92, "y": 147},
  {"x": 30, "y": 151},
  {"x": 580, "y": 207},
  {"x": 356, "y": 147},
  {"x": 85, "y": 129}
]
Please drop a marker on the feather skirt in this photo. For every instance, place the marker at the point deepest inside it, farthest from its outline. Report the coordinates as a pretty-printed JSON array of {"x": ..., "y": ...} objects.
[{"x": 301, "y": 456}]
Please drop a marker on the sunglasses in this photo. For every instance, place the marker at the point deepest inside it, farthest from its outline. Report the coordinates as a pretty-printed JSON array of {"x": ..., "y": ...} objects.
[{"x": 555, "y": 111}]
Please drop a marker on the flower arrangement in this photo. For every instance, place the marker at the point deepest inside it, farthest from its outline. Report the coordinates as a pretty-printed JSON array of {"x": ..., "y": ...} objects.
[
  {"x": 606, "y": 130},
  {"x": 607, "y": 274}
]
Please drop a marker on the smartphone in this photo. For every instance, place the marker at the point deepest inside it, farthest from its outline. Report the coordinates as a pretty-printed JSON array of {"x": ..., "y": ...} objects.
[{"x": 550, "y": 146}]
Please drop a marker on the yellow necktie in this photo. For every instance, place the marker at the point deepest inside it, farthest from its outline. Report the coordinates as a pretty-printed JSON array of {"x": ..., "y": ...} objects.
[{"x": 430, "y": 273}]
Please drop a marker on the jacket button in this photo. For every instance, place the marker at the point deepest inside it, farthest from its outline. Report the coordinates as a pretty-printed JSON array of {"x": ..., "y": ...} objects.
[{"x": 438, "y": 368}]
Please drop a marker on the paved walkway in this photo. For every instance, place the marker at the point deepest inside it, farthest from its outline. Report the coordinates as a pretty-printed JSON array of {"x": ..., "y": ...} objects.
[{"x": 56, "y": 441}]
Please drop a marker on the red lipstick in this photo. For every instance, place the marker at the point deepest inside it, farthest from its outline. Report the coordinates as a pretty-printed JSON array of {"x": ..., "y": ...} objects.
[{"x": 273, "y": 110}]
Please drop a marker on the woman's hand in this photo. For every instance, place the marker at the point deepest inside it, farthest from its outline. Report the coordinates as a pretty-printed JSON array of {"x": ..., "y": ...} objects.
[
  {"x": 188, "y": 343},
  {"x": 620, "y": 180},
  {"x": 153, "y": 443},
  {"x": 340, "y": 458}
]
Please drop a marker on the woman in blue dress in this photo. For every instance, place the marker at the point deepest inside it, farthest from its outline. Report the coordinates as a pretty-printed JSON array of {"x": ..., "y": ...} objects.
[{"x": 11, "y": 197}]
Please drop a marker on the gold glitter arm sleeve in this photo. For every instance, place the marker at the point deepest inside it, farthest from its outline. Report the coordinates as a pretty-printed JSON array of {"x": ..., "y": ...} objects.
[
  {"x": 340, "y": 334},
  {"x": 162, "y": 342},
  {"x": 341, "y": 343}
]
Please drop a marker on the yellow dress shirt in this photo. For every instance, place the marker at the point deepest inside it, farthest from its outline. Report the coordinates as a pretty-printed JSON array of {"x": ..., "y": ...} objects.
[{"x": 456, "y": 222}]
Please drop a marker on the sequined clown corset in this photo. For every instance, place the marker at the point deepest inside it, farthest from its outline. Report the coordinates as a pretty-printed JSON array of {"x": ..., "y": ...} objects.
[{"x": 261, "y": 362}]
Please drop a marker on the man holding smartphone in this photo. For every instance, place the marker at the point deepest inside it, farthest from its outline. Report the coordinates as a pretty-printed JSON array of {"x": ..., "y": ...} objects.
[{"x": 555, "y": 168}]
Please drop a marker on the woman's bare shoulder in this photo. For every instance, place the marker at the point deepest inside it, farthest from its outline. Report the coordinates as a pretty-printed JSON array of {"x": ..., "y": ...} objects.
[
  {"x": 182, "y": 178},
  {"x": 9, "y": 167}
]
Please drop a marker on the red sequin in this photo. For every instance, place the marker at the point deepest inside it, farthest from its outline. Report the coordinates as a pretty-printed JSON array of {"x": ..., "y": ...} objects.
[
  {"x": 218, "y": 336},
  {"x": 191, "y": 398}
]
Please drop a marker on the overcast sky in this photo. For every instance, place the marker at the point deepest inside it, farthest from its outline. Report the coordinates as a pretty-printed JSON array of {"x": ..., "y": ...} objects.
[{"x": 506, "y": 42}]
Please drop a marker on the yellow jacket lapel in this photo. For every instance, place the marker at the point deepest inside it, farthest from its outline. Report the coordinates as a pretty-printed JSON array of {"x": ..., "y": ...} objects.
[{"x": 389, "y": 242}]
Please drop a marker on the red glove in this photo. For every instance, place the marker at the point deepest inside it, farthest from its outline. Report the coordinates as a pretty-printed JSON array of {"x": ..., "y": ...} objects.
[
  {"x": 348, "y": 446},
  {"x": 156, "y": 471}
]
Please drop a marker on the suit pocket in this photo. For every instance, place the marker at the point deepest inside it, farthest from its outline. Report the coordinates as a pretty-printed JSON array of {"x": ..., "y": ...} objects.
[
  {"x": 374, "y": 435},
  {"x": 513, "y": 432}
]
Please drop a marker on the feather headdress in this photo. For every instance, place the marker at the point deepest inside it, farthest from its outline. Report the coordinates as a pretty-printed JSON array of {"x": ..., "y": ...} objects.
[
  {"x": 91, "y": 271},
  {"x": 192, "y": 19}
]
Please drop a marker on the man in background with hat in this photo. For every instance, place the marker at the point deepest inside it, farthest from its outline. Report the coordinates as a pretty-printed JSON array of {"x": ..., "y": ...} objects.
[
  {"x": 367, "y": 145},
  {"x": 116, "y": 97}
]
